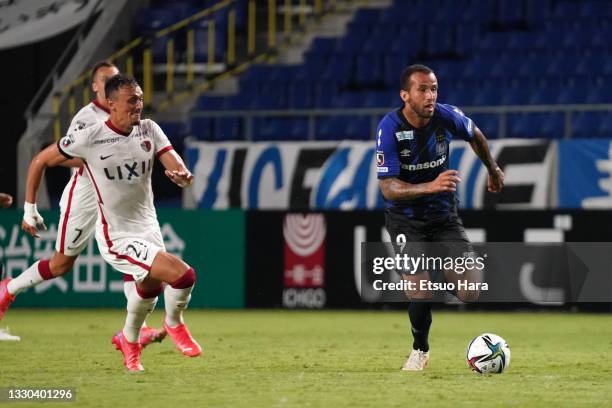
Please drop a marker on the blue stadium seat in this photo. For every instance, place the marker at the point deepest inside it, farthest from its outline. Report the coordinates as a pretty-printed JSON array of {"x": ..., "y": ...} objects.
[
  {"x": 565, "y": 10},
  {"x": 324, "y": 94},
  {"x": 322, "y": 46},
  {"x": 338, "y": 70},
  {"x": 227, "y": 128},
  {"x": 300, "y": 96},
  {"x": 439, "y": 40},
  {"x": 201, "y": 128},
  {"x": 358, "y": 128},
  {"x": 516, "y": 96},
  {"x": 368, "y": 69},
  {"x": 209, "y": 103},
  {"x": 312, "y": 68},
  {"x": 605, "y": 125},
  {"x": 331, "y": 128},
  {"x": 154, "y": 19},
  {"x": 236, "y": 102},
  {"x": 298, "y": 128},
  {"x": 571, "y": 95},
  {"x": 488, "y": 123},
  {"x": 552, "y": 126},
  {"x": 349, "y": 100},
  {"x": 366, "y": 16},
  {"x": 586, "y": 124}
]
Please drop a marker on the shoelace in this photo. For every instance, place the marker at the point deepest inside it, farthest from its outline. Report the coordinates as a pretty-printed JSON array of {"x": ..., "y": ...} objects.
[{"x": 132, "y": 357}]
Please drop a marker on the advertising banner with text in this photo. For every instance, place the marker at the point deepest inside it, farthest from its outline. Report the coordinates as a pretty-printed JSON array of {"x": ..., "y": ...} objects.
[
  {"x": 210, "y": 241},
  {"x": 342, "y": 175}
]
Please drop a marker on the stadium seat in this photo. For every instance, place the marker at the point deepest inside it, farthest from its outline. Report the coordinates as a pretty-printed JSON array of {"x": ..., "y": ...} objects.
[{"x": 488, "y": 123}]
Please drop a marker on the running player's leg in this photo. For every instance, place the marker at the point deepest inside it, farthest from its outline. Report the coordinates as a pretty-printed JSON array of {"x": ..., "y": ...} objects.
[
  {"x": 148, "y": 334},
  {"x": 150, "y": 265},
  {"x": 78, "y": 214},
  {"x": 452, "y": 232},
  {"x": 180, "y": 279},
  {"x": 404, "y": 235},
  {"x": 39, "y": 271}
]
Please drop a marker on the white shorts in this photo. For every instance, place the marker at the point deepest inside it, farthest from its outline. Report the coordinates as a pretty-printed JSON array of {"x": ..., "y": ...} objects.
[
  {"x": 131, "y": 255},
  {"x": 79, "y": 212}
]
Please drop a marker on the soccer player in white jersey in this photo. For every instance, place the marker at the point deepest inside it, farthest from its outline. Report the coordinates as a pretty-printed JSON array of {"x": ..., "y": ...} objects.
[
  {"x": 79, "y": 211},
  {"x": 118, "y": 156}
]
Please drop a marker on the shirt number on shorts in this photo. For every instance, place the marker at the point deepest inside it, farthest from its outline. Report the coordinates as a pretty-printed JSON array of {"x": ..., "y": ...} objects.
[{"x": 400, "y": 240}]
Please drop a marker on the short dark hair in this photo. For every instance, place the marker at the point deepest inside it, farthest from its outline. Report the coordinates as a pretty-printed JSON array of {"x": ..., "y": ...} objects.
[
  {"x": 408, "y": 71},
  {"x": 101, "y": 64},
  {"x": 114, "y": 83}
]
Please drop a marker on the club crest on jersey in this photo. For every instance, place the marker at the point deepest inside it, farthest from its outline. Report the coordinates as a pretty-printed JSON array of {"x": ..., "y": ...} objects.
[
  {"x": 441, "y": 145},
  {"x": 146, "y": 145},
  {"x": 405, "y": 153},
  {"x": 67, "y": 140},
  {"x": 380, "y": 158},
  {"x": 404, "y": 135}
]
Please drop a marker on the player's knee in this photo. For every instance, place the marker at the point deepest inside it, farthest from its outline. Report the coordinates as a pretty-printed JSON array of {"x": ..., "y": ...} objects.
[
  {"x": 468, "y": 295},
  {"x": 149, "y": 291},
  {"x": 418, "y": 295},
  {"x": 186, "y": 280}
]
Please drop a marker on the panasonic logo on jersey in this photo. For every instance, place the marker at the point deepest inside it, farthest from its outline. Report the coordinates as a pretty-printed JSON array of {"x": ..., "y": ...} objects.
[{"x": 427, "y": 165}]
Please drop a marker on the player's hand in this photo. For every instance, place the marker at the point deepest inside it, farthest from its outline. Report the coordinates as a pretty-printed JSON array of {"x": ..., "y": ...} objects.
[
  {"x": 6, "y": 200},
  {"x": 495, "y": 181},
  {"x": 32, "y": 220},
  {"x": 180, "y": 178},
  {"x": 445, "y": 182}
]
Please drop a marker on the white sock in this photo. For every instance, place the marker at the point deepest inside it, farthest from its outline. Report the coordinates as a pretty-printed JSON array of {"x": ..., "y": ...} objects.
[
  {"x": 176, "y": 301},
  {"x": 28, "y": 278},
  {"x": 138, "y": 309},
  {"x": 128, "y": 288}
]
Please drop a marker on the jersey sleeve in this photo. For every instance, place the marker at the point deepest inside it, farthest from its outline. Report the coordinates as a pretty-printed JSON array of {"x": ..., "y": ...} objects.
[
  {"x": 75, "y": 144},
  {"x": 387, "y": 161},
  {"x": 83, "y": 119},
  {"x": 160, "y": 140},
  {"x": 463, "y": 125}
]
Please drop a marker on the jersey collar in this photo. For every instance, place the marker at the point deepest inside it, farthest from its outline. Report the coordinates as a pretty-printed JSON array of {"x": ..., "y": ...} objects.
[
  {"x": 114, "y": 129},
  {"x": 405, "y": 123}
]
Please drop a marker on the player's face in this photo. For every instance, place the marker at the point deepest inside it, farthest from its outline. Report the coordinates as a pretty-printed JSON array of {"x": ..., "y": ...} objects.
[
  {"x": 422, "y": 95},
  {"x": 128, "y": 104},
  {"x": 102, "y": 75}
]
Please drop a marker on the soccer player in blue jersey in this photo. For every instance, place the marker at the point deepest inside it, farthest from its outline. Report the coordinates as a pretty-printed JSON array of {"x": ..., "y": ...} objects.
[{"x": 412, "y": 155}]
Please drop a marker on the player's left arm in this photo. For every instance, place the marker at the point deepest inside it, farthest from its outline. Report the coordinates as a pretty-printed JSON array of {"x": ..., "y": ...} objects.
[
  {"x": 495, "y": 181},
  {"x": 175, "y": 168}
]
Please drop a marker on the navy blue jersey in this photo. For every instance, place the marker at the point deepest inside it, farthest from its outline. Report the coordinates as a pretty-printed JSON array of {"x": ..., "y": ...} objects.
[{"x": 420, "y": 155}]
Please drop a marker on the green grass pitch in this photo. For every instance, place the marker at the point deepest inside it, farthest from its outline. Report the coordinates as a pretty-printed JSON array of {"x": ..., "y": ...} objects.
[{"x": 313, "y": 359}]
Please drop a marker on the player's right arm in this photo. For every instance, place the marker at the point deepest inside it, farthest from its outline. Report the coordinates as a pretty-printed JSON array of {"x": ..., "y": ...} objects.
[
  {"x": 49, "y": 157},
  {"x": 69, "y": 147},
  {"x": 394, "y": 189}
]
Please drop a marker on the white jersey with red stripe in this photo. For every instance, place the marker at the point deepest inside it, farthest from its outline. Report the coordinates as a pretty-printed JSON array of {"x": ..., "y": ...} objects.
[
  {"x": 120, "y": 167},
  {"x": 78, "y": 205}
]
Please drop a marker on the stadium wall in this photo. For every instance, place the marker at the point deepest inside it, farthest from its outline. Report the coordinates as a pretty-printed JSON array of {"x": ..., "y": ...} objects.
[
  {"x": 277, "y": 259},
  {"x": 540, "y": 174}
]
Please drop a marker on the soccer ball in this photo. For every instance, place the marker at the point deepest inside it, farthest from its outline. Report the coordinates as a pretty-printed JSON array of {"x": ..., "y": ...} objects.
[{"x": 488, "y": 354}]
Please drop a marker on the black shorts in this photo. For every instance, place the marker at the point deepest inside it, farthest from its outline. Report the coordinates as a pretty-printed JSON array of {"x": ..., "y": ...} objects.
[{"x": 439, "y": 237}]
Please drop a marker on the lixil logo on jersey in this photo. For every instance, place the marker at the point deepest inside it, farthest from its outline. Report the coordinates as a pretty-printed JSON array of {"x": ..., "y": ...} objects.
[{"x": 304, "y": 271}]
